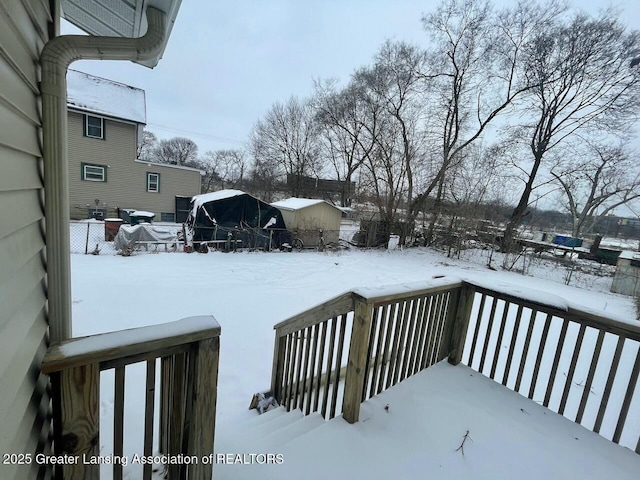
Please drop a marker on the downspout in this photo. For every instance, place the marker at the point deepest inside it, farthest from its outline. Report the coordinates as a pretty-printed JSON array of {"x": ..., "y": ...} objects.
[{"x": 55, "y": 59}]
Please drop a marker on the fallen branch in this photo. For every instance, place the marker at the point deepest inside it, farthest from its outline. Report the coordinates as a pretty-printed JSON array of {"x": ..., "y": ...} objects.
[{"x": 464, "y": 439}]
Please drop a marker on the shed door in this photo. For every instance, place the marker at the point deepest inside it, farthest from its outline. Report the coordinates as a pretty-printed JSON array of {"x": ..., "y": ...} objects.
[{"x": 182, "y": 208}]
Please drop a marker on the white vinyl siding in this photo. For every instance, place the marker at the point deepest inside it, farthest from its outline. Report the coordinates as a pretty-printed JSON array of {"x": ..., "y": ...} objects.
[
  {"x": 24, "y": 401},
  {"x": 126, "y": 185}
]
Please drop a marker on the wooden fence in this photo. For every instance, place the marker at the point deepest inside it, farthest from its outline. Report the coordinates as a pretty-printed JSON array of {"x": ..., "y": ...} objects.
[
  {"x": 531, "y": 345},
  {"x": 188, "y": 351}
]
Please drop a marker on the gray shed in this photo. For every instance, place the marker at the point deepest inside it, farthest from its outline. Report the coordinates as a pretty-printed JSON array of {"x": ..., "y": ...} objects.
[
  {"x": 305, "y": 218},
  {"x": 627, "y": 277}
]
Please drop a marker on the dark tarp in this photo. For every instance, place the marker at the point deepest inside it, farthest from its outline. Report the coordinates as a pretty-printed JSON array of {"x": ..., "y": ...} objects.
[{"x": 237, "y": 215}]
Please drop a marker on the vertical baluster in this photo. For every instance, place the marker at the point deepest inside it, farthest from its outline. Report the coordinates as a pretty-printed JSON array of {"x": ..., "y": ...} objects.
[
  {"x": 572, "y": 369},
  {"x": 441, "y": 325},
  {"x": 512, "y": 346},
  {"x": 395, "y": 343},
  {"x": 327, "y": 384},
  {"x": 150, "y": 390},
  {"x": 476, "y": 330},
  {"x": 292, "y": 367},
  {"x": 525, "y": 350},
  {"x": 590, "y": 375},
  {"x": 433, "y": 327},
  {"x": 298, "y": 372},
  {"x": 166, "y": 394},
  {"x": 437, "y": 327},
  {"x": 412, "y": 337},
  {"x": 336, "y": 380},
  {"x": 541, "y": 345},
  {"x": 323, "y": 338},
  {"x": 177, "y": 411},
  {"x": 398, "y": 343},
  {"x": 503, "y": 323},
  {"x": 385, "y": 376},
  {"x": 370, "y": 353},
  {"x": 627, "y": 398},
  {"x": 556, "y": 362},
  {"x": 118, "y": 421},
  {"x": 312, "y": 368},
  {"x": 487, "y": 337},
  {"x": 607, "y": 388},
  {"x": 417, "y": 357},
  {"x": 303, "y": 393},
  {"x": 378, "y": 362}
]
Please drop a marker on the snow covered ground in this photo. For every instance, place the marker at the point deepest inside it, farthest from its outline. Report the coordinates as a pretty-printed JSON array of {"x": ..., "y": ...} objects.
[{"x": 248, "y": 293}]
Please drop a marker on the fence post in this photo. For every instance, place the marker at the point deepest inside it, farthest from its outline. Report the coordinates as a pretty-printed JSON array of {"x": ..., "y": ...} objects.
[
  {"x": 461, "y": 323},
  {"x": 278, "y": 367},
  {"x": 86, "y": 244},
  {"x": 356, "y": 366}
]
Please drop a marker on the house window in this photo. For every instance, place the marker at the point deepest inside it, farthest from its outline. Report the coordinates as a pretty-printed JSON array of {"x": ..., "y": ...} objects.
[
  {"x": 153, "y": 182},
  {"x": 94, "y": 127},
  {"x": 94, "y": 173}
]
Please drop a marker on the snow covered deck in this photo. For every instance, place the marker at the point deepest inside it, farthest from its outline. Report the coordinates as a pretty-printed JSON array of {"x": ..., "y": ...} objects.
[{"x": 419, "y": 435}]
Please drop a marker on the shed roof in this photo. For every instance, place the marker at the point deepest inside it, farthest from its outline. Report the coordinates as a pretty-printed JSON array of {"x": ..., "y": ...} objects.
[
  {"x": 105, "y": 97},
  {"x": 293, "y": 203}
]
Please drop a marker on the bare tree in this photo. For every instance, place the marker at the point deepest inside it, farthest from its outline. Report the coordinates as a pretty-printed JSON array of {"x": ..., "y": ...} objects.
[
  {"x": 177, "y": 151},
  {"x": 474, "y": 75},
  {"x": 287, "y": 138},
  {"x": 600, "y": 180},
  {"x": 582, "y": 81},
  {"x": 228, "y": 168},
  {"x": 146, "y": 146}
]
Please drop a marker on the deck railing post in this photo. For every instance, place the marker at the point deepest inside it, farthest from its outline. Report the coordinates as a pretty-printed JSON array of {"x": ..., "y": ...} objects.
[
  {"x": 77, "y": 420},
  {"x": 357, "y": 363},
  {"x": 460, "y": 323},
  {"x": 203, "y": 397},
  {"x": 278, "y": 367}
]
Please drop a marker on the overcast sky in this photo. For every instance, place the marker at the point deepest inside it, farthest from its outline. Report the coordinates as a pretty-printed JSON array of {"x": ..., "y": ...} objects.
[{"x": 227, "y": 62}]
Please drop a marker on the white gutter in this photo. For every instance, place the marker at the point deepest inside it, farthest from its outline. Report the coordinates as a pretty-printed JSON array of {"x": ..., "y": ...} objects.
[{"x": 56, "y": 57}]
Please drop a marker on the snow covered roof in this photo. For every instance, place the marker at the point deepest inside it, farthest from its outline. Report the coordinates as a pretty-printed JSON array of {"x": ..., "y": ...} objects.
[
  {"x": 105, "y": 97},
  {"x": 199, "y": 200},
  {"x": 294, "y": 203}
]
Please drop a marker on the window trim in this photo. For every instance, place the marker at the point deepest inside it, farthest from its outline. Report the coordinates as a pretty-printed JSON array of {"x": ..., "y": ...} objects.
[
  {"x": 83, "y": 172},
  {"x": 149, "y": 182},
  {"x": 86, "y": 127}
]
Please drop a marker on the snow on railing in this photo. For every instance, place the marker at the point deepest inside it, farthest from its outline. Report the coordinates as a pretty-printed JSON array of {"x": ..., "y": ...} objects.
[
  {"x": 188, "y": 354},
  {"x": 574, "y": 361}
]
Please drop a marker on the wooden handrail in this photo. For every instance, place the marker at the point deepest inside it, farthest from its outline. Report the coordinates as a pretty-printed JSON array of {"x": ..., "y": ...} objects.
[
  {"x": 189, "y": 351},
  {"x": 399, "y": 330},
  {"x": 105, "y": 347},
  {"x": 314, "y": 315}
]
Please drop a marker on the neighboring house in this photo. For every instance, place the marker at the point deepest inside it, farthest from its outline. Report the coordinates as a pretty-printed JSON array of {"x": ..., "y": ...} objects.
[
  {"x": 306, "y": 217},
  {"x": 34, "y": 286},
  {"x": 105, "y": 126}
]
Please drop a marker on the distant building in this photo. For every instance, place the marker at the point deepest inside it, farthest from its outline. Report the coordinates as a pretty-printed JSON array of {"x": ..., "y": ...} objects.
[{"x": 106, "y": 119}]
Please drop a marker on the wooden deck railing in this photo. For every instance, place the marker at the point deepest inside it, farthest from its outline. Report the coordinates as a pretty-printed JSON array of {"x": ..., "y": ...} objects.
[
  {"x": 529, "y": 342},
  {"x": 188, "y": 351}
]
